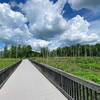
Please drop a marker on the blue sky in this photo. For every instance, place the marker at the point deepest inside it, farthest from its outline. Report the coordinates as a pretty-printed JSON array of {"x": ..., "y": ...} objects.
[
  {"x": 18, "y": 1},
  {"x": 69, "y": 12},
  {"x": 64, "y": 22},
  {"x": 2, "y": 44}
]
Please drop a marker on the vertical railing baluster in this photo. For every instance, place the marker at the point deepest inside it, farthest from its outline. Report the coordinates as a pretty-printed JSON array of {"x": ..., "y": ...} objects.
[
  {"x": 69, "y": 88},
  {"x": 62, "y": 81},
  {"x": 64, "y": 87},
  {"x": 75, "y": 97},
  {"x": 95, "y": 95},
  {"x": 80, "y": 92},
  {"x": 87, "y": 94},
  {"x": 83, "y": 91},
  {"x": 98, "y": 96},
  {"x": 72, "y": 89},
  {"x": 91, "y": 94},
  {"x": 67, "y": 85},
  {"x": 77, "y": 92}
]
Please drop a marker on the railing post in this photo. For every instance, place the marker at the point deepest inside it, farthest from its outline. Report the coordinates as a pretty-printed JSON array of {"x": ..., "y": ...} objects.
[{"x": 98, "y": 96}]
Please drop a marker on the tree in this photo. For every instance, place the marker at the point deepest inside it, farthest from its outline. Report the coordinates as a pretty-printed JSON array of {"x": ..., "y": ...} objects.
[
  {"x": 13, "y": 51},
  {"x": 18, "y": 51},
  {"x": 5, "y": 52},
  {"x": 76, "y": 51},
  {"x": 44, "y": 52},
  {"x": 28, "y": 51}
]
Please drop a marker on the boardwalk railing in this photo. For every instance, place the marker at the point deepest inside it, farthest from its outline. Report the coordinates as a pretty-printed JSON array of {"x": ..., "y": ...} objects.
[
  {"x": 72, "y": 87},
  {"x": 6, "y": 72}
]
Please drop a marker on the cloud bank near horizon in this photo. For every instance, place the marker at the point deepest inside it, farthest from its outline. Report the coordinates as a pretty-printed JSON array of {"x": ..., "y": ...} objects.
[{"x": 43, "y": 25}]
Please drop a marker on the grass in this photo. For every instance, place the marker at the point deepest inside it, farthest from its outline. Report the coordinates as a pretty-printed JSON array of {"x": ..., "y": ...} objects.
[
  {"x": 85, "y": 67},
  {"x": 7, "y": 62}
]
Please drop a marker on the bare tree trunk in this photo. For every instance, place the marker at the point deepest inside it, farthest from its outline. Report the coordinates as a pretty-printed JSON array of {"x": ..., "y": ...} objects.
[
  {"x": 16, "y": 51},
  {"x": 85, "y": 51}
]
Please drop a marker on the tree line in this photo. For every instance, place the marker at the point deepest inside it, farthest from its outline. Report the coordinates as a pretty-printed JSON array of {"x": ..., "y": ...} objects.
[
  {"x": 16, "y": 51},
  {"x": 25, "y": 51},
  {"x": 73, "y": 51}
]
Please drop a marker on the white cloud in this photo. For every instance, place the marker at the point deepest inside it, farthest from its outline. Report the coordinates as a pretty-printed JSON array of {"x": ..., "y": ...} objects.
[
  {"x": 77, "y": 32},
  {"x": 78, "y": 4},
  {"x": 37, "y": 43},
  {"x": 14, "y": 30},
  {"x": 46, "y": 27},
  {"x": 95, "y": 26},
  {"x": 59, "y": 5},
  {"x": 45, "y": 19},
  {"x": 12, "y": 25}
]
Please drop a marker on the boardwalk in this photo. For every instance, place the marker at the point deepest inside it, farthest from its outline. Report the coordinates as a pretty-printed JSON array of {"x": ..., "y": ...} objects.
[{"x": 27, "y": 83}]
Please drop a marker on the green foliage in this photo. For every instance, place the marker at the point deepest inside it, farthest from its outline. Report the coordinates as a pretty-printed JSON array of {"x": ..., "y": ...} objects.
[
  {"x": 17, "y": 51},
  {"x": 74, "y": 51},
  {"x": 44, "y": 52},
  {"x": 84, "y": 67},
  {"x": 36, "y": 54},
  {"x": 6, "y": 52},
  {"x": 7, "y": 62}
]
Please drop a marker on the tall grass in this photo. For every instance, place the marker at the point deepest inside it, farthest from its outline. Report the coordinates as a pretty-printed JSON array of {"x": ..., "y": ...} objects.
[
  {"x": 7, "y": 62},
  {"x": 85, "y": 67}
]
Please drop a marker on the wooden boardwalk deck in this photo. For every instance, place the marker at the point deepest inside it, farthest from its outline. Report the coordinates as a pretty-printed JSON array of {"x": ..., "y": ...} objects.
[{"x": 27, "y": 83}]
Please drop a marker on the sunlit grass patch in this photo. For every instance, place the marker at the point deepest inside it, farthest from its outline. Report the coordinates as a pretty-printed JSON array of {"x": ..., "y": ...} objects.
[
  {"x": 7, "y": 62},
  {"x": 85, "y": 67}
]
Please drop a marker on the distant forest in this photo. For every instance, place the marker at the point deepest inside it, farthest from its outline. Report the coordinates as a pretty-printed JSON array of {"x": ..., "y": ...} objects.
[
  {"x": 19, "y": 51},
  {"x": 73, "y": 51},
  {"x": 25, "y": 51}
]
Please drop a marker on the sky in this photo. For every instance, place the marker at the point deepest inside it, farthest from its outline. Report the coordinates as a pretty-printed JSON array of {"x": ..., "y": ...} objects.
[{"x": 49, "y": 23}]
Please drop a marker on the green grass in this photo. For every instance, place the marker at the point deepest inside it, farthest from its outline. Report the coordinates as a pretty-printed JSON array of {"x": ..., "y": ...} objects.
[
  {"x": 85, "y": 67},
  {"x": 7, "y": 62}
]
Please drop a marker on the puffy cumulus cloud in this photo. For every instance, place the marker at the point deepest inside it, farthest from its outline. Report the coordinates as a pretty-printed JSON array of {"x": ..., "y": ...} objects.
[
  {"x": 77, "y": 27},
  {"x": 13, "y": 26},
  {"x": 42, "y": 25},
  {"x": 78, "y": 4},
  {"x": 45, "y": 19},
  {"x": 77, "y": 32},
  {"x": 47, "y": 23},
  {"x": 14, "y": 30}
]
